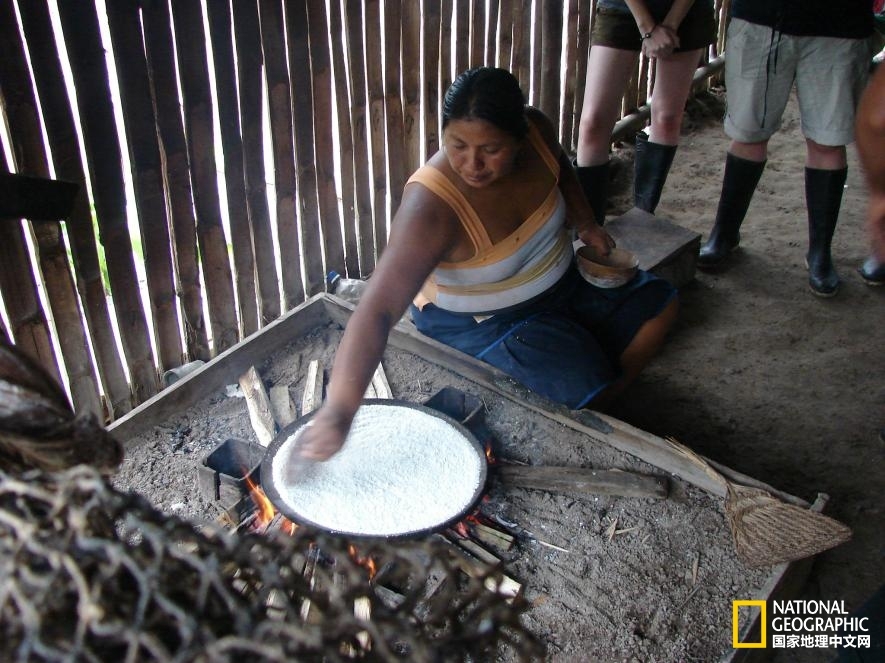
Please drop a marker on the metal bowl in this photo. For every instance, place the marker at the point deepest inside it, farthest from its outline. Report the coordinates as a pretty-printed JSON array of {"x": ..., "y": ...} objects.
[{"x": 611, "y": 271}]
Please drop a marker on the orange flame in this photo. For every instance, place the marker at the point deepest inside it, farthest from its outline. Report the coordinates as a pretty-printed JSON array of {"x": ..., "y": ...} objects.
[
  {"x": 366, "y": 562},
  {"x": 490, "y": 457},
  {"x": 266, "y": 510}
]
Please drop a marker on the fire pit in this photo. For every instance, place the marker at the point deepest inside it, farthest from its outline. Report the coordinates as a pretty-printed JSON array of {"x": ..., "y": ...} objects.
[{"x": 607, "y": 576}]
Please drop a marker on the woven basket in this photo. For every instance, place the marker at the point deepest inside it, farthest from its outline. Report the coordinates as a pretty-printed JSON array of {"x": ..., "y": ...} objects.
[{"x": 766, "y": 530}]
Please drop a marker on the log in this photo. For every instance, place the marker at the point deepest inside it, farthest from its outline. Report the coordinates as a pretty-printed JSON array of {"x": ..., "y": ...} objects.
[
  {"x": 313, "y": 388},
  {"x": 258, "y": 402},
  {"x": 583, "y": 480},
  {"x": 380, "y": 384},
  {"x": 281, "y": 405}
]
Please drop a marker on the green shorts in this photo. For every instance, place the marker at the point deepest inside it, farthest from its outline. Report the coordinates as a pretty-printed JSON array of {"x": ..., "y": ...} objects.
[
  {"x": 617, "y": 29},
  {"x": 762, "y": 65}
]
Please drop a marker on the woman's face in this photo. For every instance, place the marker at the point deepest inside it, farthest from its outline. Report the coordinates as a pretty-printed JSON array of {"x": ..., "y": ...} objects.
[{"x": 478, "y": 151}]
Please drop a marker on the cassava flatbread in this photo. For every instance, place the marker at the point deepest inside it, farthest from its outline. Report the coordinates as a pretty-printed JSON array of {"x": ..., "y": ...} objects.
[{"x": 401, "y": 470}]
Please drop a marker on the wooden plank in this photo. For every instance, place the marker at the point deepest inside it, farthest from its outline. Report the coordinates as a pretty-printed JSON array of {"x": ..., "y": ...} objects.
[
  {"x": 393, "y": 105},
  {"x": 378, "y": 141},
  {"x": 313, "y": 388},
  {"x": 505, "y": 33},
  {"x": 250, "y": 82},
  {"x": 283, "y": 144},
  {"x": 551, "y": 54},
  {"x": 145, "y": 161},
  {"x": 359, "y": 124},
  {"x": 462, "y": 36},
  {"x": 222, "y": 370},
  {"x": 653, "y": 239},
  {"x": 281, "y": 405},
  {"x": 258, "y": 403},
  {"x": 380, "y": 384},
  {"x": 447, "y": 16},
  {"x": 477, "y": 32},
  {"x": 29, "y": 154},
  {"x": 583, "y": 480},
  {"x": 64, "y": 145},
  {"x": 346, "y": 145},
  {"x": 324, "y": 120},
  {"x": 35, "y": 198},
  {"x": 157, "y": 26},
  {"x": 187, "y": 19},
  {"x": 432, "y": 63},
  {"x": 519, "y": 60},
  {"x": 221, "y": 35},
  {"x": 572, "y": 57}
]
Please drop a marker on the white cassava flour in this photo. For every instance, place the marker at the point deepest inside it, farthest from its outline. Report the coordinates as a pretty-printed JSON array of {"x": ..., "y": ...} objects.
[{"x": 401, "y": 470}]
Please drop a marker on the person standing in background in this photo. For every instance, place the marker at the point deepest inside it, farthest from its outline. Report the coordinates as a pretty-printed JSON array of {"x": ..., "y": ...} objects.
[
  {"x": 672, "y": 32},
  {"x": 824, "y": 48},
  {"x": 870, "y": 133}
]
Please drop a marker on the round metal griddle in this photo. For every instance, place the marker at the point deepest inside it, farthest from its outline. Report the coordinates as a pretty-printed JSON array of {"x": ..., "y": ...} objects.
[{"x": 281, "y": 447}]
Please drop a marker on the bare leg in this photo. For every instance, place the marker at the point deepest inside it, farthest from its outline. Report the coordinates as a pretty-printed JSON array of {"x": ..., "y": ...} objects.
[
  {"x": 672, "y": 85},
  {"x": 608, "y": 70},
  {"x": 825, "y": 157},
  {"x": 644, "y": 346}
]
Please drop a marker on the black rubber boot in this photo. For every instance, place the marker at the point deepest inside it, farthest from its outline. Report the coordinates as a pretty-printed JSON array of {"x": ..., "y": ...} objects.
[
  {"x": 651, "y": 165},
  {"x": 872, "y": 271},
  {"x": 738, "y": 185},
  {"x": 594, "y": 182},
  {"x": 823, "y": 196}
]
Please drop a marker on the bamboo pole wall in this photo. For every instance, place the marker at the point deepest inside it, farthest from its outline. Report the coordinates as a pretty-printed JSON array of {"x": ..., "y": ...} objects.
[{"x": 229, "y": 154}]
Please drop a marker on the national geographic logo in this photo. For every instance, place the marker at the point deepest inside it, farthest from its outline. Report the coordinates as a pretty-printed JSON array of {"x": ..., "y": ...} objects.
[{"x": 797, "y": 625}]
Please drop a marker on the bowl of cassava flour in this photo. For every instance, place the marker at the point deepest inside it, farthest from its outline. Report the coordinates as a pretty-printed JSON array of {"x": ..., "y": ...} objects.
[{"x": 404, "y": 469}]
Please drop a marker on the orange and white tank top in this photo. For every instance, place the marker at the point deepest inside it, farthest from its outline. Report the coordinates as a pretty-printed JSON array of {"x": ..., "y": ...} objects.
[{"x": 515, "y": 270}]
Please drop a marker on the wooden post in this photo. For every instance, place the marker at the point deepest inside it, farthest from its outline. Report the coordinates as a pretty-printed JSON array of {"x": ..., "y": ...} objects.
[
  {"x": 234, "y": 174},
  {"x": 65, "y": 148},
  {"x": 157, "y": 28},
  {"x": 280, "y": 111},
  {"x": 83, "y": 39},
  {"x": 187, "y": 18}
]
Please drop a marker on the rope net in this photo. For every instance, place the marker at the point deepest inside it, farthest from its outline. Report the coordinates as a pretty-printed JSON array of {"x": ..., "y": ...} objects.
[{"x": 88, "y": 573}]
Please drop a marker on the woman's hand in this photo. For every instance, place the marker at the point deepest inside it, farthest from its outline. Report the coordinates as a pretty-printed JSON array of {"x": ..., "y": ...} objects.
[
  {"x": 597, "y": 237},
  {"x": 324, "y": 434},
  {"x": 662, "y": 42}
]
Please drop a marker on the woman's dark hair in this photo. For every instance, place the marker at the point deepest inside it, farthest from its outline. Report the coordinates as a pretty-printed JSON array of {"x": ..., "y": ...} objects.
[{"x": 489, "y": 94}]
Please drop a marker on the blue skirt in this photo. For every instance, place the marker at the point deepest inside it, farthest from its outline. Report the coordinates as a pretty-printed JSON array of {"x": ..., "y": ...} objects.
[{"x": 566, "y": 343}]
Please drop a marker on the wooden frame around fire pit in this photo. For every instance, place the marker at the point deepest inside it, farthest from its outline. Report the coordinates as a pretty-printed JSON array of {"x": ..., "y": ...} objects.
[{"x": 786, "y": 580}]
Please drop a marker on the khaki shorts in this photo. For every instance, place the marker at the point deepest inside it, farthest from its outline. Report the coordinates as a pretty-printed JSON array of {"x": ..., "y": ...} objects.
[
  {"x": 761, "y": 66},
  {"x": 617, "y": 29}
]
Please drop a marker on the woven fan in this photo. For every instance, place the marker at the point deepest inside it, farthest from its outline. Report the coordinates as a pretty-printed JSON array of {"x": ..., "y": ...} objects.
[{"x": 766, "y": 530}]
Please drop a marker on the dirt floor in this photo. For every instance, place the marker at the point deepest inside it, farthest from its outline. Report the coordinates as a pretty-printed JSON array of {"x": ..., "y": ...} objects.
[
  {"x": 763, "y": 376},
  {"x": 759, "y": 375}
]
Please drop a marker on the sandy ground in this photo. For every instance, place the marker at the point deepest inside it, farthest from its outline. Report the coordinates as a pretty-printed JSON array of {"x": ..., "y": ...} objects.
[{"x": 760, "y": 374}]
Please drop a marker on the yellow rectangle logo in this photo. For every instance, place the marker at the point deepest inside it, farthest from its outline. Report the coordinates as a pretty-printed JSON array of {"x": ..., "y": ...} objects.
[{"x": 735, "y": 624}]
